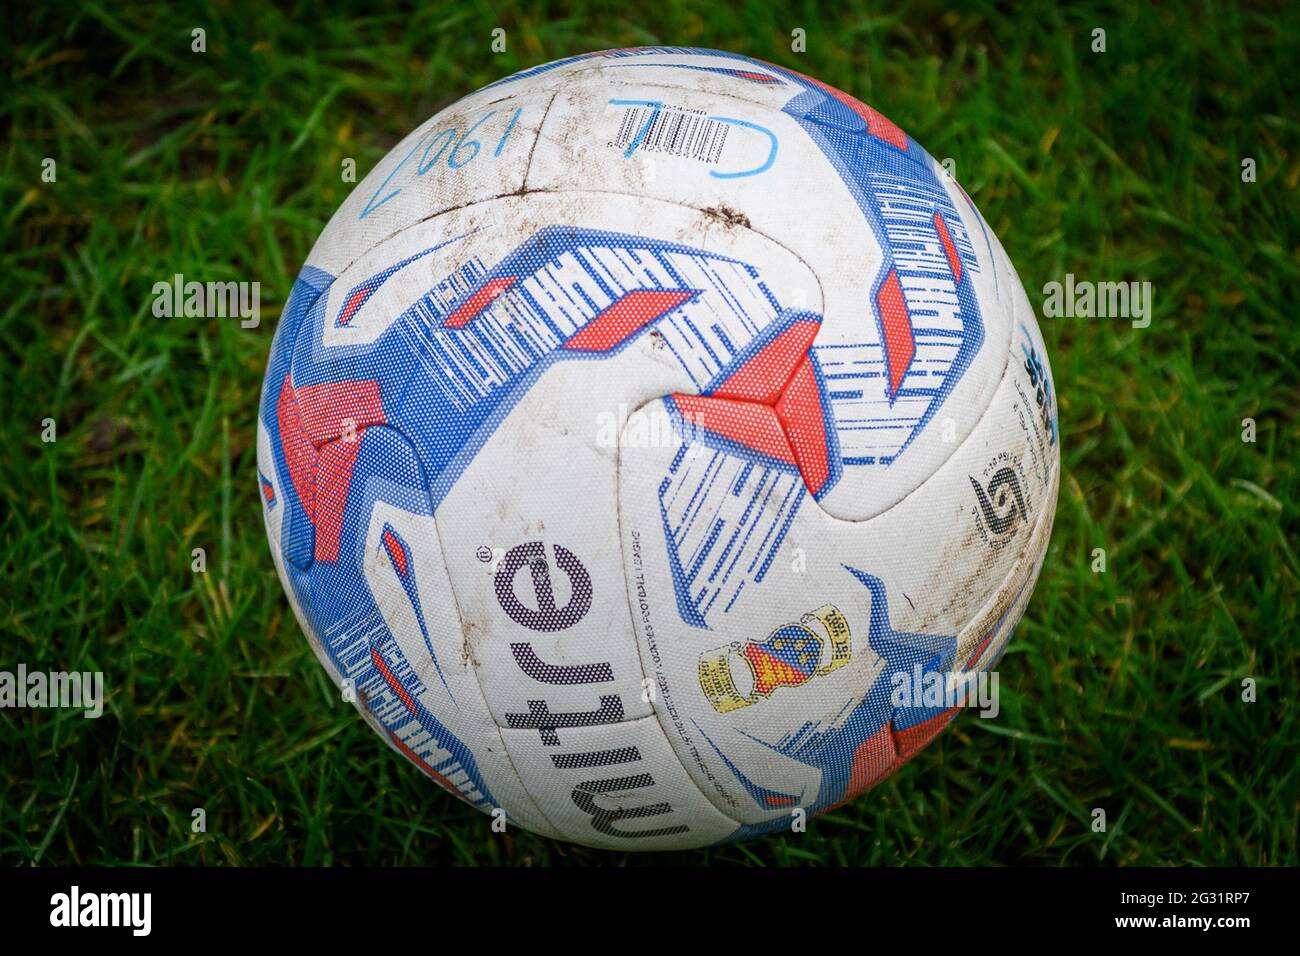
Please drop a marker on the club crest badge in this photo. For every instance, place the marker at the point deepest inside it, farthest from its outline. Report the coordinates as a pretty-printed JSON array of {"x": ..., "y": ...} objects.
[{"x": 739, "y": 675}]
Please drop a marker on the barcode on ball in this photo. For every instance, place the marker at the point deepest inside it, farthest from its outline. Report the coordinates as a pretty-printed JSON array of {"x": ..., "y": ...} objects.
[{"x": 672, "y": 130}]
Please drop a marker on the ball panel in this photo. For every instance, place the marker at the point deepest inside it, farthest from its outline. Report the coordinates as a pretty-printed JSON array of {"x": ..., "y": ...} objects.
[
  {"x": 618, "y": 787},
  {"x": 430, "y": 707},
  {"x": 477, "y": 148}
]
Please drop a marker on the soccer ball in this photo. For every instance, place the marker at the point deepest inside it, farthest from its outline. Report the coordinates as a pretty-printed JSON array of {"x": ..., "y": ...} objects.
[{"x": 657, "y": 446}]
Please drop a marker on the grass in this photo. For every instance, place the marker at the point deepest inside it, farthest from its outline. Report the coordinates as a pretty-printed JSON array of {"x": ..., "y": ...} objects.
[{"x": 1122, "y": 690}]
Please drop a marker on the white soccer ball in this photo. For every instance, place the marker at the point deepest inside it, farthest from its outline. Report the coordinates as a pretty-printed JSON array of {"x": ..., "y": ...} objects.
[{"x": 658, "y": 442}]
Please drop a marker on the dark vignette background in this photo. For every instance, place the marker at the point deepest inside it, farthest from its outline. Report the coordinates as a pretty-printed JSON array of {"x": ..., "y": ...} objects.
[{"x": 1122, "y": 690}]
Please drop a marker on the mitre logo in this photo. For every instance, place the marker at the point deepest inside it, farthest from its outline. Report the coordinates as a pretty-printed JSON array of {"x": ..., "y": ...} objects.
[{"x": 539, "y": 611}]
